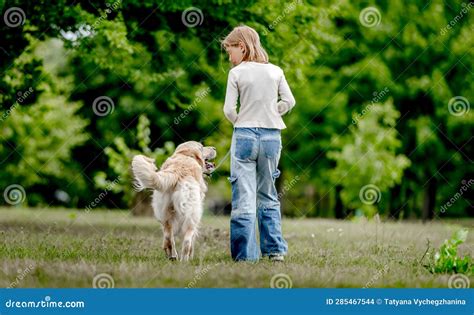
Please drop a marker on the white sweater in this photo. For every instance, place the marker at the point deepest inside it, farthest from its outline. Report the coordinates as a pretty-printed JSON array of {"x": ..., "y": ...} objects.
[{"x": 258, "y": 85}]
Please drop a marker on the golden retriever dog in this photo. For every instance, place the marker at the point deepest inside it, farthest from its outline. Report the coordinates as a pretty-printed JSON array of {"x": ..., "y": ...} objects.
[{"x": 179, "y": 189}]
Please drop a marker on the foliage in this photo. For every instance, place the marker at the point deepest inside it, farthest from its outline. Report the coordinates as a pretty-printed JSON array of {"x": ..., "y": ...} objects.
[
  {"x": 143, "y": 57},
  {"x": 446, "y": 259},
  {"x": 39, "y": 130},
  {"x": 121, "y": 156},
  {"x": 369, "y": 157}
]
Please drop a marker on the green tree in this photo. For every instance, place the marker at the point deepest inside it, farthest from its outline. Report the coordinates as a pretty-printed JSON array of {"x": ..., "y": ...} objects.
[
  {"x": 368, "y": 164},
  {"x": 120, "y": 157},
  {"x": 39, "y": 130}
]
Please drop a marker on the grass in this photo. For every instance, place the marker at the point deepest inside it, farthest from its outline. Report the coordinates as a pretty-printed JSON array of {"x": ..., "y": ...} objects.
[{"x": 68, "y": 248}]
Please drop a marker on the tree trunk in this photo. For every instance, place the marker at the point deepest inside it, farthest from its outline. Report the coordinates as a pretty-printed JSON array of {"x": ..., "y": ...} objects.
[
  {"x": 339, "y": 207},
  {"x": 309, "y": 194},
  {"x": 317, "y": 203},
  {"x": 141, "y": 204},
  {"x": 326, "y": 205},
  {"x": 429, "y": 200},
  {"x": 395, "y": 203},
  {"x": 410, "y": 199}
]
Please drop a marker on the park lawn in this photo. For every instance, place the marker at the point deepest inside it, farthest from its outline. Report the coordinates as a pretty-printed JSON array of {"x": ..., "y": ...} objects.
[{"x": 68, "y": 248}]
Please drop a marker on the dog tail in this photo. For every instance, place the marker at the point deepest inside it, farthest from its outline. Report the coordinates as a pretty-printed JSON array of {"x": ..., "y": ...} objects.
[{"x": 147, "y": 176}]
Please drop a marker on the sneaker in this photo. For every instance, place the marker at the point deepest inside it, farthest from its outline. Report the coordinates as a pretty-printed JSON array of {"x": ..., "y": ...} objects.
[{"x": 277, "y": 257}]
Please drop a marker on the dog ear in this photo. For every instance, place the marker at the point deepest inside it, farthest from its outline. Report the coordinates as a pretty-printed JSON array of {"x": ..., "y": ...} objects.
[
  {"x": 200, "y": 158},
  {"x": 194, "y": 153}
]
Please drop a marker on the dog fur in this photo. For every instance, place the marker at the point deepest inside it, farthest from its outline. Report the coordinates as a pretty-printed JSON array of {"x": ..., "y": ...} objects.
[{"x": 179, "y": 189}]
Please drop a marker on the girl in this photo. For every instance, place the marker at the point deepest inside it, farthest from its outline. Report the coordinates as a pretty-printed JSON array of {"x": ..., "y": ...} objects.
[{"x": 264, "y": 96}]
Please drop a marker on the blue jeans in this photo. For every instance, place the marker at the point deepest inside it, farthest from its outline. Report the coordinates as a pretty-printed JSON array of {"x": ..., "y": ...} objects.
[{"x": 255, "y": 153}]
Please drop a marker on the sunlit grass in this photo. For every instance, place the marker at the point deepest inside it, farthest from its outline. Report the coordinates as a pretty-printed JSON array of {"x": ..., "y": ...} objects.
[{"x": 68, "y": 248}]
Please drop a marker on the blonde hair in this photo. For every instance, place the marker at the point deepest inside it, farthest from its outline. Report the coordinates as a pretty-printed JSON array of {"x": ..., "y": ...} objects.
[{"x": 249, "y": 37}]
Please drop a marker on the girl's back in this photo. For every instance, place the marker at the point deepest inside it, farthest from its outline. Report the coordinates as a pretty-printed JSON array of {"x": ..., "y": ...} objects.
[
  {"x": 254, "y": 82},
  {"x": 256, "y": 146}
]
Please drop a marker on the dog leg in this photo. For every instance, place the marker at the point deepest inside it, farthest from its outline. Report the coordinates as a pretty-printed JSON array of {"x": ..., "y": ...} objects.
[
  {"x": 195, "y": 236},
  {"x": 191, "y": 255},
  {"x": 188, "y": 245},
  {"x": 168, "y": 241}
]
